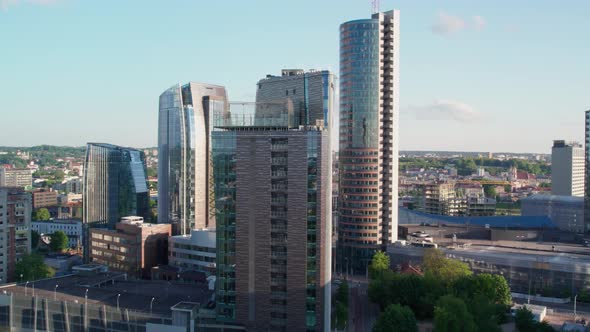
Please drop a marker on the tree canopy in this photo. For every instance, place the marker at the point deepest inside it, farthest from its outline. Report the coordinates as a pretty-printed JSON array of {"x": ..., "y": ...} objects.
[
  {"x": 396, "y": 318},
  {"x": 379, "y": 263},
  {"x": 59, "y": 241},
  {"x": 451, "y": 315},
  {"x": 32, "y": 267},
  {"x": 41, "y": 214},
  {"x": 437, "y": 266}
]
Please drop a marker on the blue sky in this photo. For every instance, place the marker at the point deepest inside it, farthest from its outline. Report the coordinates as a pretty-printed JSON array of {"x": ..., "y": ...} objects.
[{"x": 477, "y": 76}]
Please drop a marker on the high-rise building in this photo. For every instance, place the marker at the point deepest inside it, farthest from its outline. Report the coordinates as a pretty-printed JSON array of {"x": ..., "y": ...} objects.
[
  {"x": 567, "y": 169},
  {"x": 15, "y": 230},
  {"x": 16, "y": 177},
  {"x": 306, "y": 96},
  {"x": 369, "y": 113},
  {"x": 587, "y": 171},
  {"x": 115, "y": 186},
  {"x": 273, "y": 198},
  {"x": 185, "y": 195}
]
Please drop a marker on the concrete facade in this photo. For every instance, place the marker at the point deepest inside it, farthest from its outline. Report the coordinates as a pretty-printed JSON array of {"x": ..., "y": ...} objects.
[
  {"x": 22, "y": 178},
  {"x": 15, "y": 229},
  {"x": 194, "y": 252},
  {"x": 44, "y": 198},
  {"x": 567, "y": 169}
]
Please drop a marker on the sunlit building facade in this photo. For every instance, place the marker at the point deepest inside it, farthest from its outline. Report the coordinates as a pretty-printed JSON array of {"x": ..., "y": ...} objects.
[
  {"x": 369, "y": 114},
  {"x": 115, "y": 186},
  {"x": 186, "y": 116},
  {"x": 273, "y": 197}
]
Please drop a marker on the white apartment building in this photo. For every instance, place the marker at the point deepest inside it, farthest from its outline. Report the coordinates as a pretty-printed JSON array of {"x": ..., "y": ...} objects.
[
  {"x": 194, "y": 252},
  {"x": 72, "y": 228},
  {"x": 567, "y": 169}
]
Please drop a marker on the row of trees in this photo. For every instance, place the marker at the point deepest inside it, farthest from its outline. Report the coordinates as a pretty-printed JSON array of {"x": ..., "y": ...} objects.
[
  {"x": 448, "y": 292},
  {"x": 341, "y": 303},
  {"x": 468, "y": 166}
]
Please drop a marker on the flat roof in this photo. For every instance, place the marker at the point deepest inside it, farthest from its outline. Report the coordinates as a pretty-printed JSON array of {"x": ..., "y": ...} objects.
[{"x": 104, "y": 289}]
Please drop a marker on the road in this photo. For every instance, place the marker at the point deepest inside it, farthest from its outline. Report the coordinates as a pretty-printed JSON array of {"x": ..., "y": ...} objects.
[{"x": 362, "y": 314}]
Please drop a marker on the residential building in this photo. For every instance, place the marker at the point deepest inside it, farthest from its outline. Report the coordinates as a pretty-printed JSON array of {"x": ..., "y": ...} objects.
[
  {"x": 567, "y": 212},
  {"x": 369, "y": 113},
  {"x": 72, "y": 228},
  {"x": 439, "y": 198},
  {"x": 297, "y": 96},
  {"x": 186, "y": 115},
  {"x": 133, "y": 246},
  {"x": 44, "y": 198},
  {"x": 16, "y": 177},
  {"x": 194, "y": 252},
  {"x": 15, "y": 229},
  {"x": 273, "y": 200},
  {"x": 587, "y": 171},
  {"x": 115, "y": 185},
  {"x": 567, "y": 169}
]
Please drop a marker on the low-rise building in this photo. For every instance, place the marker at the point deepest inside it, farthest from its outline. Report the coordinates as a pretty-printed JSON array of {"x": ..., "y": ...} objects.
[
  {"x": 16, "y": 177},
  {"x": 72, "y": 228},
  {"x": 44, "y": 198},
  {"x": 193, "y": 252},
  {"x": 133, "y": 246},
  {"x": 15, "y": 229},
  {"x": 567, "y": 212}
]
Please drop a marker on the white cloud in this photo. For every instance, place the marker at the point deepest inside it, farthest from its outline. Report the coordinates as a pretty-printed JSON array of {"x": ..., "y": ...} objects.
[
  {"x": 447, "y": 24},
  {"x": 4, "y": 4},
  {"x": 445, "y": 110},
  {"x": 479, "y": 22}
]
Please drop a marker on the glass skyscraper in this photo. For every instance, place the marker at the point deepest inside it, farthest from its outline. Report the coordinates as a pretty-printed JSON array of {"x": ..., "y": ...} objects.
[
  {"x": 115, "y": 186},
  {"x": 368, "y": 156},
  {"x": 185, "y": 187},
  {"x": 295, "y": 98}
]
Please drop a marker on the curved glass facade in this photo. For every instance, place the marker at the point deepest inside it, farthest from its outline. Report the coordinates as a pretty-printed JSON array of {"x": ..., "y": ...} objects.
[
  {"x": 184, "y": 167},
  {"x": 368, "y": 139}
]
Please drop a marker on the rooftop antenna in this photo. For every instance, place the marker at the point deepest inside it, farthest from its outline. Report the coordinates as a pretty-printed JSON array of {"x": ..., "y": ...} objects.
[{"x": 374, "y": 6}]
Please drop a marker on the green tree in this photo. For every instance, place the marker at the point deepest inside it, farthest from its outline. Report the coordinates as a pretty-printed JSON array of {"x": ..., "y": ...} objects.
[
  {"x": 379, "y": 264},
  {"x": 524, "y": 320},
  {"x": 341, "y": 316},
  {"x": 34, "y": 239},
  {"x": 484, "y": 314},
  {"x": 32, "y": 267},
  {"x": 489, "y": 190},
  {"x": 41, "y": 214},
  {"x": 342, "y": 293},
  {"x": 59, "y": 241},
  {"x": 447, "y": 270},
  {"x": 396, "y": 318},
  {"x": 492, "y": 287},
  {"x": 451, "y": 315}
]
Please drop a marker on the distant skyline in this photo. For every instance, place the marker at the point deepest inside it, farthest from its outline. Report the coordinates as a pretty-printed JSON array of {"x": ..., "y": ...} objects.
[{"x": 496, "y": 76}]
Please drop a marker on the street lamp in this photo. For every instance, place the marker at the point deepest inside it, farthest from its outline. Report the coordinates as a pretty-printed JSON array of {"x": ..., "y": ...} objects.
[
  {"x": 55, "y": 293},
  {"x": 118, "y": 296},
  {"x": 26, "y": 288},
  {"x": 86, "y": 298},
  {"x": 21, "y": 278},
  {"x": 33, "y": 289},
  {"x": 152, "y": 304}
]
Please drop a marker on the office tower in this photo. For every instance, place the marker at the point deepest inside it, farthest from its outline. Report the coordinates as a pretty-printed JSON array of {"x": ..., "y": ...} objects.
[
  {"x": 115, "y": 186},
  {"x": 185, "y": 195},
  {"x": 369, "y": 113},
  {"x": 273, "y": 198},
  {"x": 15, "y": 177},
  {"x": 15, "y": 230},
  {"x": 567, "y": 169},
  {"x": 306, "y": 96}
]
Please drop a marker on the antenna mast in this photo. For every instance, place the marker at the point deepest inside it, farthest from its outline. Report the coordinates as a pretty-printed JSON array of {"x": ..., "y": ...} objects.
[{"x": 375, "y": 6}]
